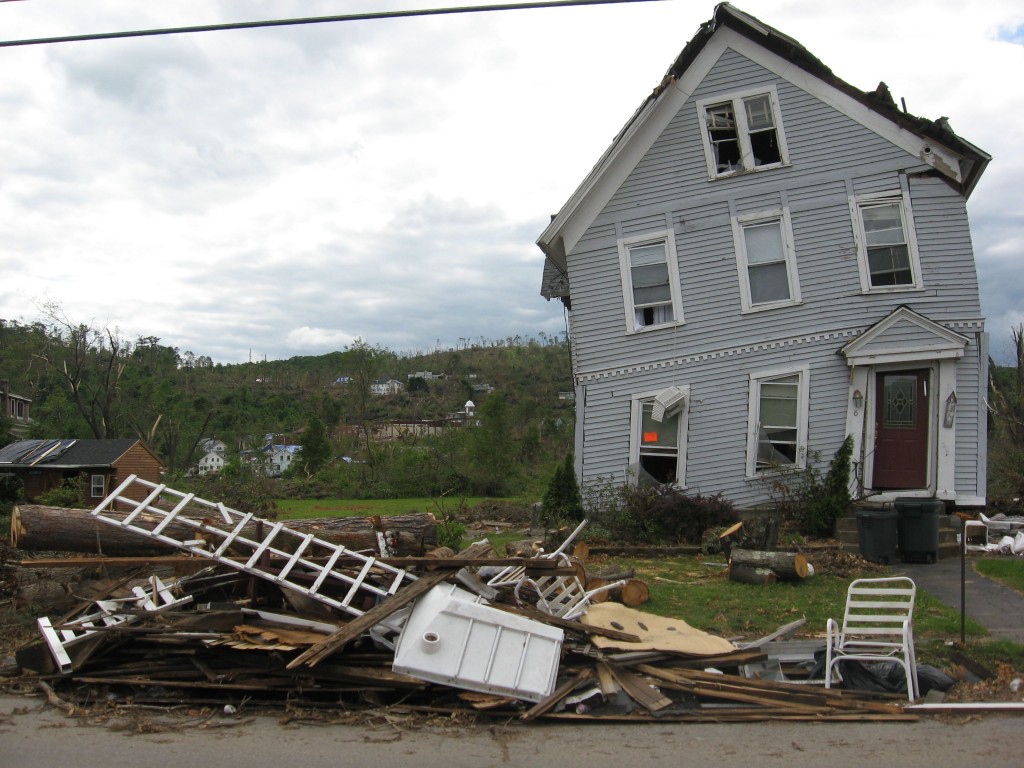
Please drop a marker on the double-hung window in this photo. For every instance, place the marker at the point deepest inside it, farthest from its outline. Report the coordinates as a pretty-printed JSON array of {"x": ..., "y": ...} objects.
[
  {"x": 97, "y": 486},
  {"x": 766, "y": 260},
  {"x": 658, "y": 436},
  {"x": 742, "y": 132},
  {"x": 650, "y": 278},
  {"x": 777, "y": 419},
  {"x": 886, "y": 246}
]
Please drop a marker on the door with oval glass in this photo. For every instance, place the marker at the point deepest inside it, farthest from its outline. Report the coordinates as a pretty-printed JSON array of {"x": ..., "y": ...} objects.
[{"x": 901, "y": 430}]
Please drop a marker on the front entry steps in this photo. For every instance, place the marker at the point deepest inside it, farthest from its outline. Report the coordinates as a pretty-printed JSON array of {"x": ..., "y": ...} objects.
[{"x": 847, "y": 533}]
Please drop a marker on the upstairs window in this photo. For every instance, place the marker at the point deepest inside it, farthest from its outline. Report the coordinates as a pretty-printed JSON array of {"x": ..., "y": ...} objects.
[
  {"x": 650, "y": 277},
  {"x": 886, "y": 245},
  {"x": 742, "y": 132},
  {"x": 766, "y": 260},
  {"x": 777, "y": 432}
]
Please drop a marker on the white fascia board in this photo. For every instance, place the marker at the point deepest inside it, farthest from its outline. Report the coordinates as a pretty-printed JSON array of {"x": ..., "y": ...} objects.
[
  {"x": 927, "y": 150},
  {"x": 590, "y": 198},
  {"x": 903, "y": 356}
]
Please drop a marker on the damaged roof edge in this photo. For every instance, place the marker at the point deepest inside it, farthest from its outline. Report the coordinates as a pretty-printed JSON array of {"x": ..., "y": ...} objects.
[{"x": 973, "y": 159}]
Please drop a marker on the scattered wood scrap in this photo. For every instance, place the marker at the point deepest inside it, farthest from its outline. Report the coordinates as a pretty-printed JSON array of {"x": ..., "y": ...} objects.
[{"x": 213, "y": 635}]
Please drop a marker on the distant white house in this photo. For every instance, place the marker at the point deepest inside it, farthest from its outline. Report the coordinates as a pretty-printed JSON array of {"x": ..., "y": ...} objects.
[
  {"x": 211, "y": 463},
  {"x": 272, "y": 460},
  {"x": 389, "y": 387},
  {"x": 214, "y": 456},
  {"x": 427, "y": 375}
]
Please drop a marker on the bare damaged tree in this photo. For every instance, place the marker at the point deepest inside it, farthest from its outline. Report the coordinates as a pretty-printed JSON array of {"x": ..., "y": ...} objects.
[
  {"x": 1006, "y": 404},
  {"x": 90, "y": 362}
]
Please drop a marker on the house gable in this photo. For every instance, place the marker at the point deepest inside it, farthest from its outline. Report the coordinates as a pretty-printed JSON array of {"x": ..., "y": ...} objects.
[
  {"x": 733, "y": 31},
  {"x": 904, "y": 336}
]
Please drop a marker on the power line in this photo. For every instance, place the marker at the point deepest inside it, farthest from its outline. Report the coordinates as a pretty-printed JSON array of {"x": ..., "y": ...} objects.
[{"x": 314, "y": 20}]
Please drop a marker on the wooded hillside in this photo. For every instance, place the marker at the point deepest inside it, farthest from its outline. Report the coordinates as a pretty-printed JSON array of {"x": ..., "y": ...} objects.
[{"x": 90, "y": 382}]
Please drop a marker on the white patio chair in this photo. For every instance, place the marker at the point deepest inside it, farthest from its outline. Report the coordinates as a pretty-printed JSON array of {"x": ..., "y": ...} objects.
[
  {"x": 560, "y": 596},
  {"x": 877, "y": 626}
]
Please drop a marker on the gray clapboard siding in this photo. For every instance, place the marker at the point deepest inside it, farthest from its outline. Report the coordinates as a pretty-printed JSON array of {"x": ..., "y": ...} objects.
[{"x": 717, "y": 348}]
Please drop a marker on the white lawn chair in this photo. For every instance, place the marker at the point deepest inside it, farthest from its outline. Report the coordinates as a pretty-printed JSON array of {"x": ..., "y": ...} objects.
[{"x": 877, "y": 626}]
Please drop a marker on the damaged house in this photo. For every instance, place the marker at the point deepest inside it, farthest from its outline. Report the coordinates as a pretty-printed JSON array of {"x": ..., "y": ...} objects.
[{"x": 765, "y": 261}]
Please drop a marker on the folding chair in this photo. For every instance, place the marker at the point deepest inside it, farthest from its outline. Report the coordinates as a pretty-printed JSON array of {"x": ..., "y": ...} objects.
[{"x": 877, "y": 626}]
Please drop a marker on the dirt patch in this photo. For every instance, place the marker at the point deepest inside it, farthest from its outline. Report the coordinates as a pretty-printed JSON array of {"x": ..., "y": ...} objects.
[{"x": 497, "y": 509}]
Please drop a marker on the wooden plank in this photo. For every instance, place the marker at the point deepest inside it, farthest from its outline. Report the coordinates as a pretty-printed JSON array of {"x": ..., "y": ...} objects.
[
  {"x": 541, "y": 707},
  {"x": 640, "y": 690},
  {"x": 371, "y": 618}
]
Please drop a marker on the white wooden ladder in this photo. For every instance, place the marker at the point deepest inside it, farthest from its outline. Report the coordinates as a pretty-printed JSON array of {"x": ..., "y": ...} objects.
[{"x": 295, "y": 561}]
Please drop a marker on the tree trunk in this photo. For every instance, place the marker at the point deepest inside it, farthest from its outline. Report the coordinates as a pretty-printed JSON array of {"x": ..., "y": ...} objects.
[
  {"x": 791, "y": 566},
  {"x": 41, "y": 528},
  {"x": 749, "y": 574}
]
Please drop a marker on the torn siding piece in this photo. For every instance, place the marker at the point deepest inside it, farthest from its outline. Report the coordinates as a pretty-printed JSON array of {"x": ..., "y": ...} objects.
[{"x": 453, "y": 640}]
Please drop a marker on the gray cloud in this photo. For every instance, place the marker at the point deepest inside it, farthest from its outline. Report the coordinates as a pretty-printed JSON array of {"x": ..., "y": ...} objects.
[{"x": 285, "y": 191}]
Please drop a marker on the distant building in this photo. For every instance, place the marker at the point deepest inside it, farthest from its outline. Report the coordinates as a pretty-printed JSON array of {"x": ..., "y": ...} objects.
[
  {"x": 389, "y": 387},
  {"x": 427, "y": 375},
  {"x": 16, "y": 408}
]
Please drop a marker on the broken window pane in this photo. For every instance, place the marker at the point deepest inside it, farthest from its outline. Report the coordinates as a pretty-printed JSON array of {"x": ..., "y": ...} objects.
[
  {"x": 725, "y": 142},
  {"x": 659, "y": 445},
  {"x": 764, "y": 140},
  {"x": 777, "y": 422}
]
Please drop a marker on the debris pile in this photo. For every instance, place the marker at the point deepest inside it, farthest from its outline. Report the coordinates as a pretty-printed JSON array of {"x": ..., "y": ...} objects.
[{"x": 251, "y": 612}]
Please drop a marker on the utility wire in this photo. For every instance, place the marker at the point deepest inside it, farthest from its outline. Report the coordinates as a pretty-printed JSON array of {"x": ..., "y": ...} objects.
[{"x": 314, "y": 20}]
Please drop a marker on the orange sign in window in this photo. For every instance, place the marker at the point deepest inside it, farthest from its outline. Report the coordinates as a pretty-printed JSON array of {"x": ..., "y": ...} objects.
[{"x": 650, "y": 437}]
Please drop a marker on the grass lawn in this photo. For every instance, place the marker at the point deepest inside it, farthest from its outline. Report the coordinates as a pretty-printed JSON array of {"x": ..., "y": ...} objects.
[
  {"x": 696, "y": 590},
  {"x": 301, "y": 509},
  {"x": 1006, "y": 570}
]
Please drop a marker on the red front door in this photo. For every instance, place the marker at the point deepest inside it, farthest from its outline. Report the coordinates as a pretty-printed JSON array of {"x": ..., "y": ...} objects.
[{"x": 901, "y": 430}]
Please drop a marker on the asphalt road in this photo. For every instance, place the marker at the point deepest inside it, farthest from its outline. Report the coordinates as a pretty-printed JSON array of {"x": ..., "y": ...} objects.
[{"x": 33, "y": 735}]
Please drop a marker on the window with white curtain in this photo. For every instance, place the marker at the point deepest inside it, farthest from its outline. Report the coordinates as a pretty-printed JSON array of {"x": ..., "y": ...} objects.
[{"x": 650, "y": 276}]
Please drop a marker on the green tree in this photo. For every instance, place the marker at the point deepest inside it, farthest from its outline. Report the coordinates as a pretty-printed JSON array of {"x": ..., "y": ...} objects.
[
  {"x": 1006, "y": 404},
  {"x": 562, "y": 500},
  {"x": 316, "y": 448}
]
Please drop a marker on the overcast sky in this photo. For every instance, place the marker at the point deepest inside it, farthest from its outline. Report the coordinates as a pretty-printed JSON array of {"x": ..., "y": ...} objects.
[{"x": 276, "y": 192}]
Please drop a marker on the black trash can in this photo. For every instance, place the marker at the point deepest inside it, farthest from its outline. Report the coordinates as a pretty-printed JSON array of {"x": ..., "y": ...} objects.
[
  {"x": 917, "y": 525},
  {"x": 876, "y": 534}
]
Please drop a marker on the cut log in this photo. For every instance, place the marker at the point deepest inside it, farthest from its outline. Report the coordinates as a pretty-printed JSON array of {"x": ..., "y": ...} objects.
[
  {"x": 37, "y": 527},
  {"x": 596, "y": 583},
  {"x": 790, "y": 566},
  {"x": 634, "y": 592},
  {"x": 749, "y": 574}
]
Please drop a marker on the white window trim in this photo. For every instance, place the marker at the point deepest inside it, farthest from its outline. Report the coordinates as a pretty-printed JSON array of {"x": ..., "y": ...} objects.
[
  {"x": 860, "y": 239},
  {"x": 636, "y": 420},
  {"x": 666, "y": 236},
  {"x": 780, "y": 215},
  {"x": 753, "y": 416},
  {"x": 93, "y": 486},
  {"x": 746, "y": 153}
]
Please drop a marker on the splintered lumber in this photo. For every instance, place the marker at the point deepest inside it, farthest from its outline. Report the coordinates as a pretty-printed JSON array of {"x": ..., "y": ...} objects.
[
  {"x": 423, "y": 584},
  {"x": 749, "y": 574},
  {"x": 60, "y": 529},
  {"x": 790, "y": 566},
  {"x": 558, "y": 694}
]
